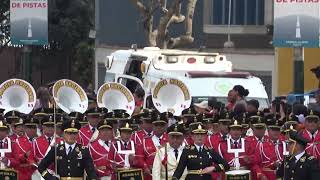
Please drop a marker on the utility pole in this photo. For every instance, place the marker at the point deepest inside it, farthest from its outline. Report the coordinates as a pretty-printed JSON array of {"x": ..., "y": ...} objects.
[{"x": 298, "y": 70}]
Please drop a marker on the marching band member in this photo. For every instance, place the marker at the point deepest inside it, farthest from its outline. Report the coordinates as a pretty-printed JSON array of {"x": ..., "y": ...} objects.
[
  {"x": 214, "y": 140},
  {"x": 299, "y": 165},
  {"x": 236, "y": 142},
  {"x": 199, "y": 160},
  {"x": 122, "y": 152},
  {"x": 187, "y": 118},
  {"x": 146, "y": 127},
  {"x": 100, "y": 148},
  {"x": 167, "y": 157},
  {"x": 7, "y": 160},
  {"x": 263, "y": 150},
  {"x": 311, "y": 133},
  {"x": 147, "y": 150},
  {"x": 192, "y": 124},
  {"x": 17, "y": 130},
  {"x": 278, "y": 140},
  {"x": 72, "y": 158},
  {"x": 22, "y": 149},
  {"x": 42, "y": 144},
  {"x": 59, "y": 120},
  {"x": 210, "y": 123},
  {"x": 87, "y": 131}
]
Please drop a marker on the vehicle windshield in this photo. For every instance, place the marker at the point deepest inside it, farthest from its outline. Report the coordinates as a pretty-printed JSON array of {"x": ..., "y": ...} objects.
[{"x": 263, "y": 103}]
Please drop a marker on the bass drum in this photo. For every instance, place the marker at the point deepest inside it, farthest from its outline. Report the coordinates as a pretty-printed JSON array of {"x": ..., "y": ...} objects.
[{"x": 238, "y": 174}]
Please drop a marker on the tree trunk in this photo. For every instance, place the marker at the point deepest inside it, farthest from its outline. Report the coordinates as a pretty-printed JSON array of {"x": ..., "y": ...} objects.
[
  {"x": 159, "y": 36},
  {"x": 164, "y": 24},
  {"x": 187, "y": 38}
]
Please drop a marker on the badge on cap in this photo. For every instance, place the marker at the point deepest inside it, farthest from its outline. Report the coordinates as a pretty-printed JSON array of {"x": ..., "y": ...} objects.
[{"x": 73, "y": 124}]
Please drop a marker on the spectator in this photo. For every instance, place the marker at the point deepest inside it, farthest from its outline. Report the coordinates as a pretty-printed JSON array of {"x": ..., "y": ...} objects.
[
  {"x": 239, "y": 109},
  {"x": 240, "y": 93},
  {"x": 138, "y": 96},
  {"x": 214, "y": 108},
  {"x": 252, "y": 107},
  {"x": 300, "y": 111},
  {"x": 231, "y": 100},
  {"x": 201, "y": 107},
  {"x": 44, "y": 99},
  {"x": 315, "y": 106}
]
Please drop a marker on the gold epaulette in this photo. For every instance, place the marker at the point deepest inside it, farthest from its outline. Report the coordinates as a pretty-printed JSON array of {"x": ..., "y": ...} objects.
[{"x": 44, "y": 173}]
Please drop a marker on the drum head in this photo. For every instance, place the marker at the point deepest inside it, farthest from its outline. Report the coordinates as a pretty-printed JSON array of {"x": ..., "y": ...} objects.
[{"x": 237, "y": 172}]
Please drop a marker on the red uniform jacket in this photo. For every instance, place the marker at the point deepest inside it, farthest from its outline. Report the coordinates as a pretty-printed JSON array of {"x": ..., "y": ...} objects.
[
  {"x": 85, "y": 135},
  {"x": 146, "y": 152},
  {"x": 138, "y": 136},
  {"x": 214, "y": 140},
  {"x": 313, "y": 148},
  {"x": 41, "y": 147},
  {"x": 13, "y": 137},
  {"x": 117, "y": 158},
  {"x": 264, "y": 151},
  {"x": 279, "y": 149},
  {"x": 99, "y": 151},
  {"x": 23, "y": 158},
  {"x": 188, "y": 140},
  {"x": 246, "y": 158}
]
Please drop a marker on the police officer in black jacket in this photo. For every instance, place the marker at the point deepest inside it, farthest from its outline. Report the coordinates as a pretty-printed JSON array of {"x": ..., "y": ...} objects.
[
  {"x": 72, "y": 158},
  {"x": 199, "y": 159},
  {"x": 299, "y": 165}
]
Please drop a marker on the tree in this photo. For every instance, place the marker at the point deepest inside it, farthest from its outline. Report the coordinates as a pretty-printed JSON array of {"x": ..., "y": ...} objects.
[
  {"x": 69, "y": 23},
  {"x": 159, "y": 36},
  {"x": 4, "y": 24},
  {"x": 84, "y": 57},
  {"x": 69, "y": 26}
]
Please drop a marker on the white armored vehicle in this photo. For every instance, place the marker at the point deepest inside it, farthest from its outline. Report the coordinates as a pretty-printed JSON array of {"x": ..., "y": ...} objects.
[{"x": 205, "y": 74}]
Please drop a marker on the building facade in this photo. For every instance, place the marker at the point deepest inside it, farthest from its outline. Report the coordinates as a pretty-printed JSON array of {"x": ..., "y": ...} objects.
[{"x": 248, "y": 20}]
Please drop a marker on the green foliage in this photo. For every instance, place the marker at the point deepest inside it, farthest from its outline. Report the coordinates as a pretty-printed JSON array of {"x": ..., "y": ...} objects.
[
  {"x": 69, "y": 23},
  {"x": 69, "y": 26},
  {"x": 4, "y": 22},
  {"x": 84, "y": 61}
]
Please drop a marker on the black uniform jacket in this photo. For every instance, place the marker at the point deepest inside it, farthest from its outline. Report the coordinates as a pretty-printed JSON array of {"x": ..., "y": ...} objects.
[
  {"x": 306, "y": 168},
  {"x": 196, "y": 161},
  {"x": 71, "y": 165}
]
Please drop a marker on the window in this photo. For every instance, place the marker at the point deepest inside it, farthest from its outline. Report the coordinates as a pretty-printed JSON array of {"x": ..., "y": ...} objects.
[
  {"x": 243, "y": 12},
  {"x": 247, "y": 16}
]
